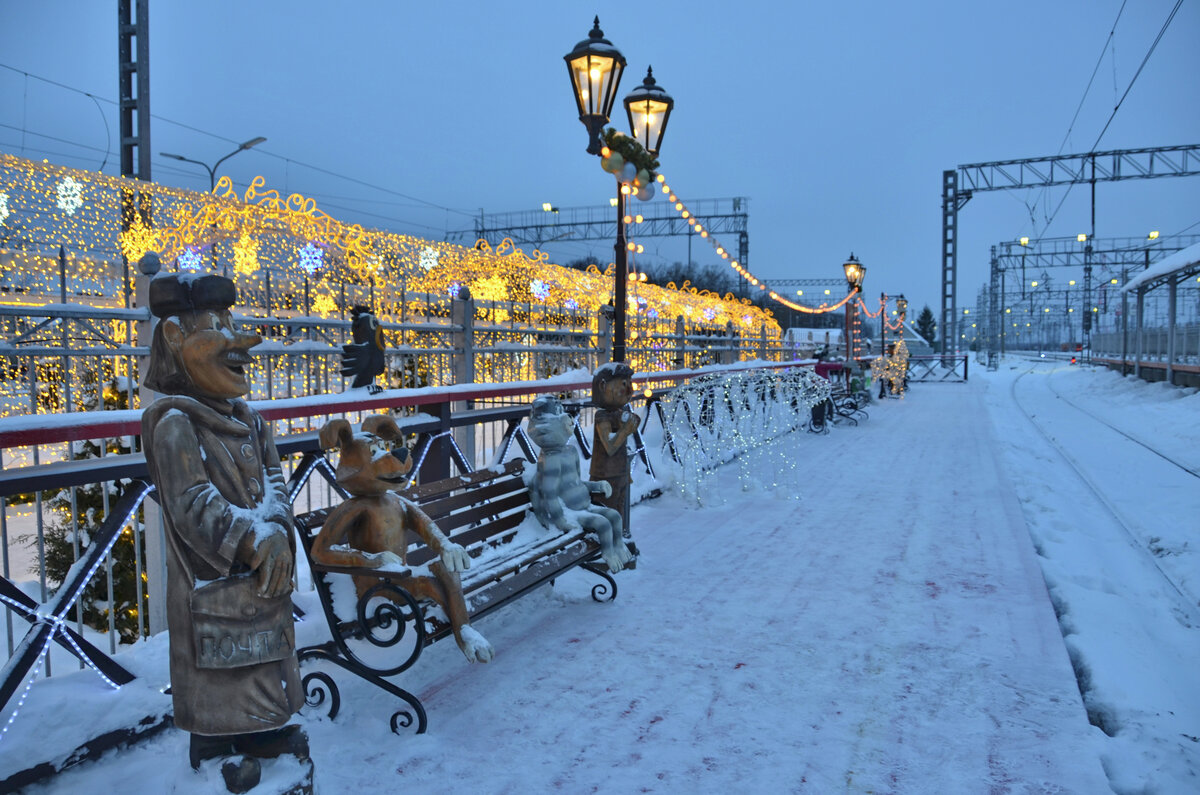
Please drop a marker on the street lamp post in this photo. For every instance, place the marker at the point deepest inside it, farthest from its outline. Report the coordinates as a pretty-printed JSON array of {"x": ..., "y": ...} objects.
[
  {"x": 595, "y": 67},
  {"x": 855, "y": 273},
  {"x": 212, "y": 182},
  {"x": 212, "y": 170},
  {"x": 883, "y": 299}
]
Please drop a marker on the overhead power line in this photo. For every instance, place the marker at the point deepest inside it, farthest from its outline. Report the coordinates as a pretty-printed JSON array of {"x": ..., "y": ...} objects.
[{"x": 328, "y": 172}]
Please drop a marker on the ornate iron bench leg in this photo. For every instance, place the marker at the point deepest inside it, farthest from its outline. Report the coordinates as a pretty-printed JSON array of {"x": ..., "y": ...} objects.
[
  {"x": 318, "y": 684},
  {"x": 600, "y": 591}
]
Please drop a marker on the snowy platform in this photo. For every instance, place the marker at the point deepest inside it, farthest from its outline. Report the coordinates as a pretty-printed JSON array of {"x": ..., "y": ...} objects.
[{"x": 887, "y": 629}]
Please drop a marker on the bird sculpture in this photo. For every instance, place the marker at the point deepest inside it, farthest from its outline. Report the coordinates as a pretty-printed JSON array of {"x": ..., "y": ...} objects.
[{"x": 363, "y": 358}]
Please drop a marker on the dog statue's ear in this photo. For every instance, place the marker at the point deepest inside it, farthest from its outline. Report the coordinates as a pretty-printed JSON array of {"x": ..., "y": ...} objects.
[
  {"x": 336, "y": 433},
  {"x": 382, "y": 425}
]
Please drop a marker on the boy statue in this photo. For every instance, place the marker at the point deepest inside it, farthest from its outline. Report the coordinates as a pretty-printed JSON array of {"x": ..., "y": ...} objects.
[
  {"x": 612, "y": 389},
  {"x": 235, "y": 680}
]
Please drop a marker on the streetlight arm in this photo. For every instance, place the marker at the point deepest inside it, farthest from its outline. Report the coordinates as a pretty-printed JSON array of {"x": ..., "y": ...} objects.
[{"x": 212, "y": 179}]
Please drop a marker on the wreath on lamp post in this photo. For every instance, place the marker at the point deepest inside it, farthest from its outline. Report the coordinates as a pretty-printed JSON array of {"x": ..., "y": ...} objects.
[{"x": 629, "y": 161}]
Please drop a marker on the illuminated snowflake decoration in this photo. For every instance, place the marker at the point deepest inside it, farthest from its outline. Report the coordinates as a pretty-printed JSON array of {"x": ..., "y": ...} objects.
[
  {"x": 70, "y": 195},
  {"x": 311, "y": 257},
  {"x": 3, "y": 207},
  {"x": 540, "y": 290},
  {"x": 571, "y": 303},
  {"x": 428, "y": 258},
  {"x": 190, "y": 259},
  {"x": 453, "y": 289},
  {"x": 710, "y": 314}
]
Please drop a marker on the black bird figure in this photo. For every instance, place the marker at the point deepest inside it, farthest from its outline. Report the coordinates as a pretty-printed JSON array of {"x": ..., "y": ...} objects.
[{"x": 363, "y": 358}]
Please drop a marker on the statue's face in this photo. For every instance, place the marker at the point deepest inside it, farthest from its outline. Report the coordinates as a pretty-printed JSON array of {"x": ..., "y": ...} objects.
[
  {"x": 617, "y": 392},
  {"x": 214, "y": 355},
  {"x": 551, "y": 429}
]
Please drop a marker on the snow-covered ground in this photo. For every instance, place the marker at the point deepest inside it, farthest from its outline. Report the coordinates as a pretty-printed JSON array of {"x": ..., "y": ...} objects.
[{"x": 878, "y": 622}]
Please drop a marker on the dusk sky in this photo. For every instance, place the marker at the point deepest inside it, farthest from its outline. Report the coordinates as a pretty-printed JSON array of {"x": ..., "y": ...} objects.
[{"x": 835, "y": 119}]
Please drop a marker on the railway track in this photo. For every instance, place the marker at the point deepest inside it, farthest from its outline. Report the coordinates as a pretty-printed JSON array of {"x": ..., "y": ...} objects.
[{"x": 1138, "y": 536}]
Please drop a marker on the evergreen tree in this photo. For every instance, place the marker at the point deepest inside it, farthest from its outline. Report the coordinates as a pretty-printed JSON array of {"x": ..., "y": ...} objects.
[
  {"x": 67, "y": 540},
  {"x": 926, "y": 325}
]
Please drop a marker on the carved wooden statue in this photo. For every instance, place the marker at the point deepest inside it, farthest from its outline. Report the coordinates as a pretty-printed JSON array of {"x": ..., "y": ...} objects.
[
  {"x": 562, "y": 499},
  {"x": 371, "y": 528},
  {"x": 235, "y": 681},
  {"x": 612, "y": 389}
]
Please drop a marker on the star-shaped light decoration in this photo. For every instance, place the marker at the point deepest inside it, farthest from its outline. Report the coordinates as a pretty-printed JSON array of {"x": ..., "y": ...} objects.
[
  {"x": 428, "y": 258},
  {"x": 70, "y": 195},
  {"x": 652, "y": 313},
  {"x": 571, "y": 303},
  {"x": 3, "y": 207},
  {"x": 189, "y": 259},
  {"x": 539, "y": 289},
  {"x": 710, "y": 314},
  {"x": 311, "y": 257},
  {"x": 453, "y": 289}
]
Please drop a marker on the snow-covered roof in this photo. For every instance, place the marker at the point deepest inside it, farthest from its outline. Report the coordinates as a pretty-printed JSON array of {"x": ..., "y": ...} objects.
[{"x": 1180, "y": 260}]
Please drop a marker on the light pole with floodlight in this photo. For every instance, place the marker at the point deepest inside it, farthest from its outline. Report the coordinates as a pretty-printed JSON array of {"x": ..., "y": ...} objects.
[{"x": 212, "y": 170}]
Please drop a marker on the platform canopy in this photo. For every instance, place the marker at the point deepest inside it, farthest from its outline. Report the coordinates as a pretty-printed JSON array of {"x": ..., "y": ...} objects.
[{"x": 1181, "y": 264}]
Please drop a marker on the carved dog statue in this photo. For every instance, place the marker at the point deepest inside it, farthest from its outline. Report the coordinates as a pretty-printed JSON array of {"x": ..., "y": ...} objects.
[
  {"x": 370, "y": 529},
  {"x": 560, "y": 497}
]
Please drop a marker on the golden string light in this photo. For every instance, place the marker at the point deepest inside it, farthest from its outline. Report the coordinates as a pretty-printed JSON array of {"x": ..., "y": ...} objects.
[{"x": 290, "y": 259}]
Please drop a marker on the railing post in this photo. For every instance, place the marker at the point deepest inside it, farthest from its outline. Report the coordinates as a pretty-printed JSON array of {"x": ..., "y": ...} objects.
[
  {"x": 728, "y": 356},
  {"x": 152, "y": 528},
  {"x": 680, "y": 357},
  {"x": 762, "y": 343},
  {"x": 462, "y": 310},
  {"x": 1172, "y": 295},
  {"x": 603, "y": 336}
]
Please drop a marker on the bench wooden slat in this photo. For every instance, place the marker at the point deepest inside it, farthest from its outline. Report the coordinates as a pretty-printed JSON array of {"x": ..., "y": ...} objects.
[
  {"x": 469, "y": 538},
  {"x": 444, "y": 506},
  {"x": 480, "y": 604},
  {"x": 427, "y": 492},
  {"x": 497, "y": 507}
]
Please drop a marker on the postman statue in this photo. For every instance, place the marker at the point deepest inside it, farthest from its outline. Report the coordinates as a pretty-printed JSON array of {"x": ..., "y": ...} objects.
[
  {"x": 612, "y": 389},
  {"x": 235, "y": 681}
]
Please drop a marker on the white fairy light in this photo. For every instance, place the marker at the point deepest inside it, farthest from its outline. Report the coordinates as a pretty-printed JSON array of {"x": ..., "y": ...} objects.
[{"x": 742, "y": 418}]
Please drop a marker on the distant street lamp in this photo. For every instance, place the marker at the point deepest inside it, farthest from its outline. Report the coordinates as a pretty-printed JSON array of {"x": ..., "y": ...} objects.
[
  {"x": 212, "y": 170},
  {"x": 855, "y": 273},
  {"x": 595, "y": 67}
]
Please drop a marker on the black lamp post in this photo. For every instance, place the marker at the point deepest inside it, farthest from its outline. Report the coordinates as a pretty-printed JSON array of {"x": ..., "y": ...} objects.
[
  {"x": 212, "y": 170},
  {"x": 595, "y": 67},
  {"x": 855, "y": 273}
]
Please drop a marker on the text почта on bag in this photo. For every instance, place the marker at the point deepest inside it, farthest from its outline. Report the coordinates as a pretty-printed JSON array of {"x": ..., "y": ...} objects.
[{"x": 233, "y": 626}]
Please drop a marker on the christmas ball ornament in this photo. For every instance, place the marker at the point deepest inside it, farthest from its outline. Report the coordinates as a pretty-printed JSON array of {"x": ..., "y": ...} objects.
[
  {"x": 613, "y": 163},
  {"x": 628, "y": 172},
  {"x": 643, "y": 177},
  {"x": 645, "y": 193}
]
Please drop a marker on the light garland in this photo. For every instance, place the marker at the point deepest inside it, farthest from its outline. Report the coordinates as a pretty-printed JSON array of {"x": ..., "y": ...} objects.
[{"x": 744, "y": 416}]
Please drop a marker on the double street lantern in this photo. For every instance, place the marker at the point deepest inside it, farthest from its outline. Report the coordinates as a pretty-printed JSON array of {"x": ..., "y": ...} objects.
[
  {"x": 648, "y": 108},
  {"x": 595, "y": 66}
]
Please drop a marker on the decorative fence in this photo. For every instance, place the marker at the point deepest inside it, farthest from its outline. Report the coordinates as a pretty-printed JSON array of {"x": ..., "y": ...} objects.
[{"x": 87, "y": 530}]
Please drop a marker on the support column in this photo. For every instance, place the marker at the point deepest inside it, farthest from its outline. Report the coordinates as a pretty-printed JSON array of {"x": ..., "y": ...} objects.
[
  {"x": 950, "y": 203},
  {"x": 1172, "y": 294},
  {"x": 462, "y": 311}
]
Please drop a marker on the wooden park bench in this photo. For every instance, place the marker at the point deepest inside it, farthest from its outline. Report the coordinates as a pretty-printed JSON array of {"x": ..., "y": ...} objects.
[{"x": 383, "y": 633}]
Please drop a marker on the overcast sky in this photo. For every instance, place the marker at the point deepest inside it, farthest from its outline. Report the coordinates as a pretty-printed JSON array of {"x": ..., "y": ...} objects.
[{"x": 836, "y": 119}]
